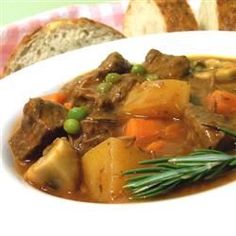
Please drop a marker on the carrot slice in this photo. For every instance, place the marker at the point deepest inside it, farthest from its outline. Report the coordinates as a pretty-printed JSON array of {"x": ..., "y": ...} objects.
[
  {"x": 221, "y": 102},
  {"x": 165, "y": 147},
  {"x": 55, "y": 97},
  {"x": 157, "y": 136},
  {"x": 175, "y": 131},
  {"x": 141, "y": 128}
]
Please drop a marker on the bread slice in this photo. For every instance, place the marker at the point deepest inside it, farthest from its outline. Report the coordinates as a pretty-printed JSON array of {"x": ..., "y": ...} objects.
[
  {"x": 154, "y": 16},
  {"x": 218, "y": 15},
  {"x": 58, "y": 37}
]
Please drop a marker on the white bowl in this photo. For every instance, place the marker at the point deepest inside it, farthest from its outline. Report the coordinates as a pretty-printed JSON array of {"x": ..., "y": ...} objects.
[{"x": 29, "y": 211}]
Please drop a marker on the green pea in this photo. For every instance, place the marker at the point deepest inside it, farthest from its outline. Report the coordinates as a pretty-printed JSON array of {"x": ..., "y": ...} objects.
[
  {"x": 78, "y": 113},
  {"x": 152, "y": 77},
  {"x": 71, "y": 126},
  {"x": 104, "y": 87},
  {"x": 138, "y": 69},
  {"x": 112, "y": 78},
  {"x": 197, "y": 66}
]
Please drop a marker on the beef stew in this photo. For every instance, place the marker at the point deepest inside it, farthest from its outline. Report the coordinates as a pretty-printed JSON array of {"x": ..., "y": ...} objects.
[{"x": 79, "y": 142}]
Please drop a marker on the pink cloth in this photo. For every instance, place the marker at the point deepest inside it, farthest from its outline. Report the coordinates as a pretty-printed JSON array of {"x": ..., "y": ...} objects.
[{"x": 10, "y": 36}]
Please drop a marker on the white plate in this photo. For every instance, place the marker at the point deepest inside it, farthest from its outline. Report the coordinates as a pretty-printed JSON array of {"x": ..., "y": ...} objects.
[{"x": 29, "y": 211}]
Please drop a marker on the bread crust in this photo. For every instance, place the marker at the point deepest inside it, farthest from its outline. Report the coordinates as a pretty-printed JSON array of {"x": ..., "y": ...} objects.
[
  {"x": 177, "y": 15},
  {"x": 50, "y": 27},
  {"x": 80, "y": 22},
  {"x": 227, "y": 14},
  {"x": 125, "y": 24}
]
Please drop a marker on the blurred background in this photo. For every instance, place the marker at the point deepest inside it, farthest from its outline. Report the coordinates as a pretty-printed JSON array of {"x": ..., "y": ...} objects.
[{"x": 13, "y": 10}]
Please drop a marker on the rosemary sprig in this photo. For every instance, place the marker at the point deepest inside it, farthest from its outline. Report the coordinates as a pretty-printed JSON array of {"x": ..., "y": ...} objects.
[{"x": 166, "y": 174}]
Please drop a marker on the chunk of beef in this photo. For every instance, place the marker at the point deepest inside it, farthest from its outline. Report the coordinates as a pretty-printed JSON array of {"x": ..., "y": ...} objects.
[
  {"x": 84, "y": 92},
  {"x": 83, "y": 81},
  {"x": 94, "y": 131},
  {"x": 166, "y": 66},
  {"x": 42, "y": 122},
  {"x": 202, "y": 125},
  {"x": 114, "y": 63},
  {"x": 119, "y": 91}
]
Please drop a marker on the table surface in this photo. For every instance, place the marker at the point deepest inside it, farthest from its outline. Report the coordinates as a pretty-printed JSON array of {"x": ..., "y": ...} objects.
[{"x": 13, "y": 10}]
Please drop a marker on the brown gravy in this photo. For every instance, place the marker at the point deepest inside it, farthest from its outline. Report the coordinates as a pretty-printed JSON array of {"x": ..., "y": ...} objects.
[{"x": 82, "y": 194}]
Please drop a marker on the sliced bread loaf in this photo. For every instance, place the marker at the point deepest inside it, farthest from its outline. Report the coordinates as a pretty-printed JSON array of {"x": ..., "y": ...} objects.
[
  {"x": 154, "y": 16},
  {"x": 218, "y": 15},
  {"x": 58, "y": 37}
]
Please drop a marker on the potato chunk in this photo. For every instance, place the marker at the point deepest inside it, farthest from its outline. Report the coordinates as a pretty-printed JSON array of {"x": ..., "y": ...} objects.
[
  {"x": 58, "y": 169},
  {"x": 162, "y": 99},
  {"x": 103, "y": 166}
]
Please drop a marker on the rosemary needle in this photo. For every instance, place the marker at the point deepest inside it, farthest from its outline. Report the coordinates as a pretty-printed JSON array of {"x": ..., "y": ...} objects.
[{"x": 162, "y": 175}]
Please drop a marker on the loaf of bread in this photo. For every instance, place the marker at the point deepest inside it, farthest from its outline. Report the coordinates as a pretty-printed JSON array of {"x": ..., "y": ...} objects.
[
  {"x": 154, "y": 16},
  {"x": 58, "y": 37},
  {"x": 218, "y": 15}
]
